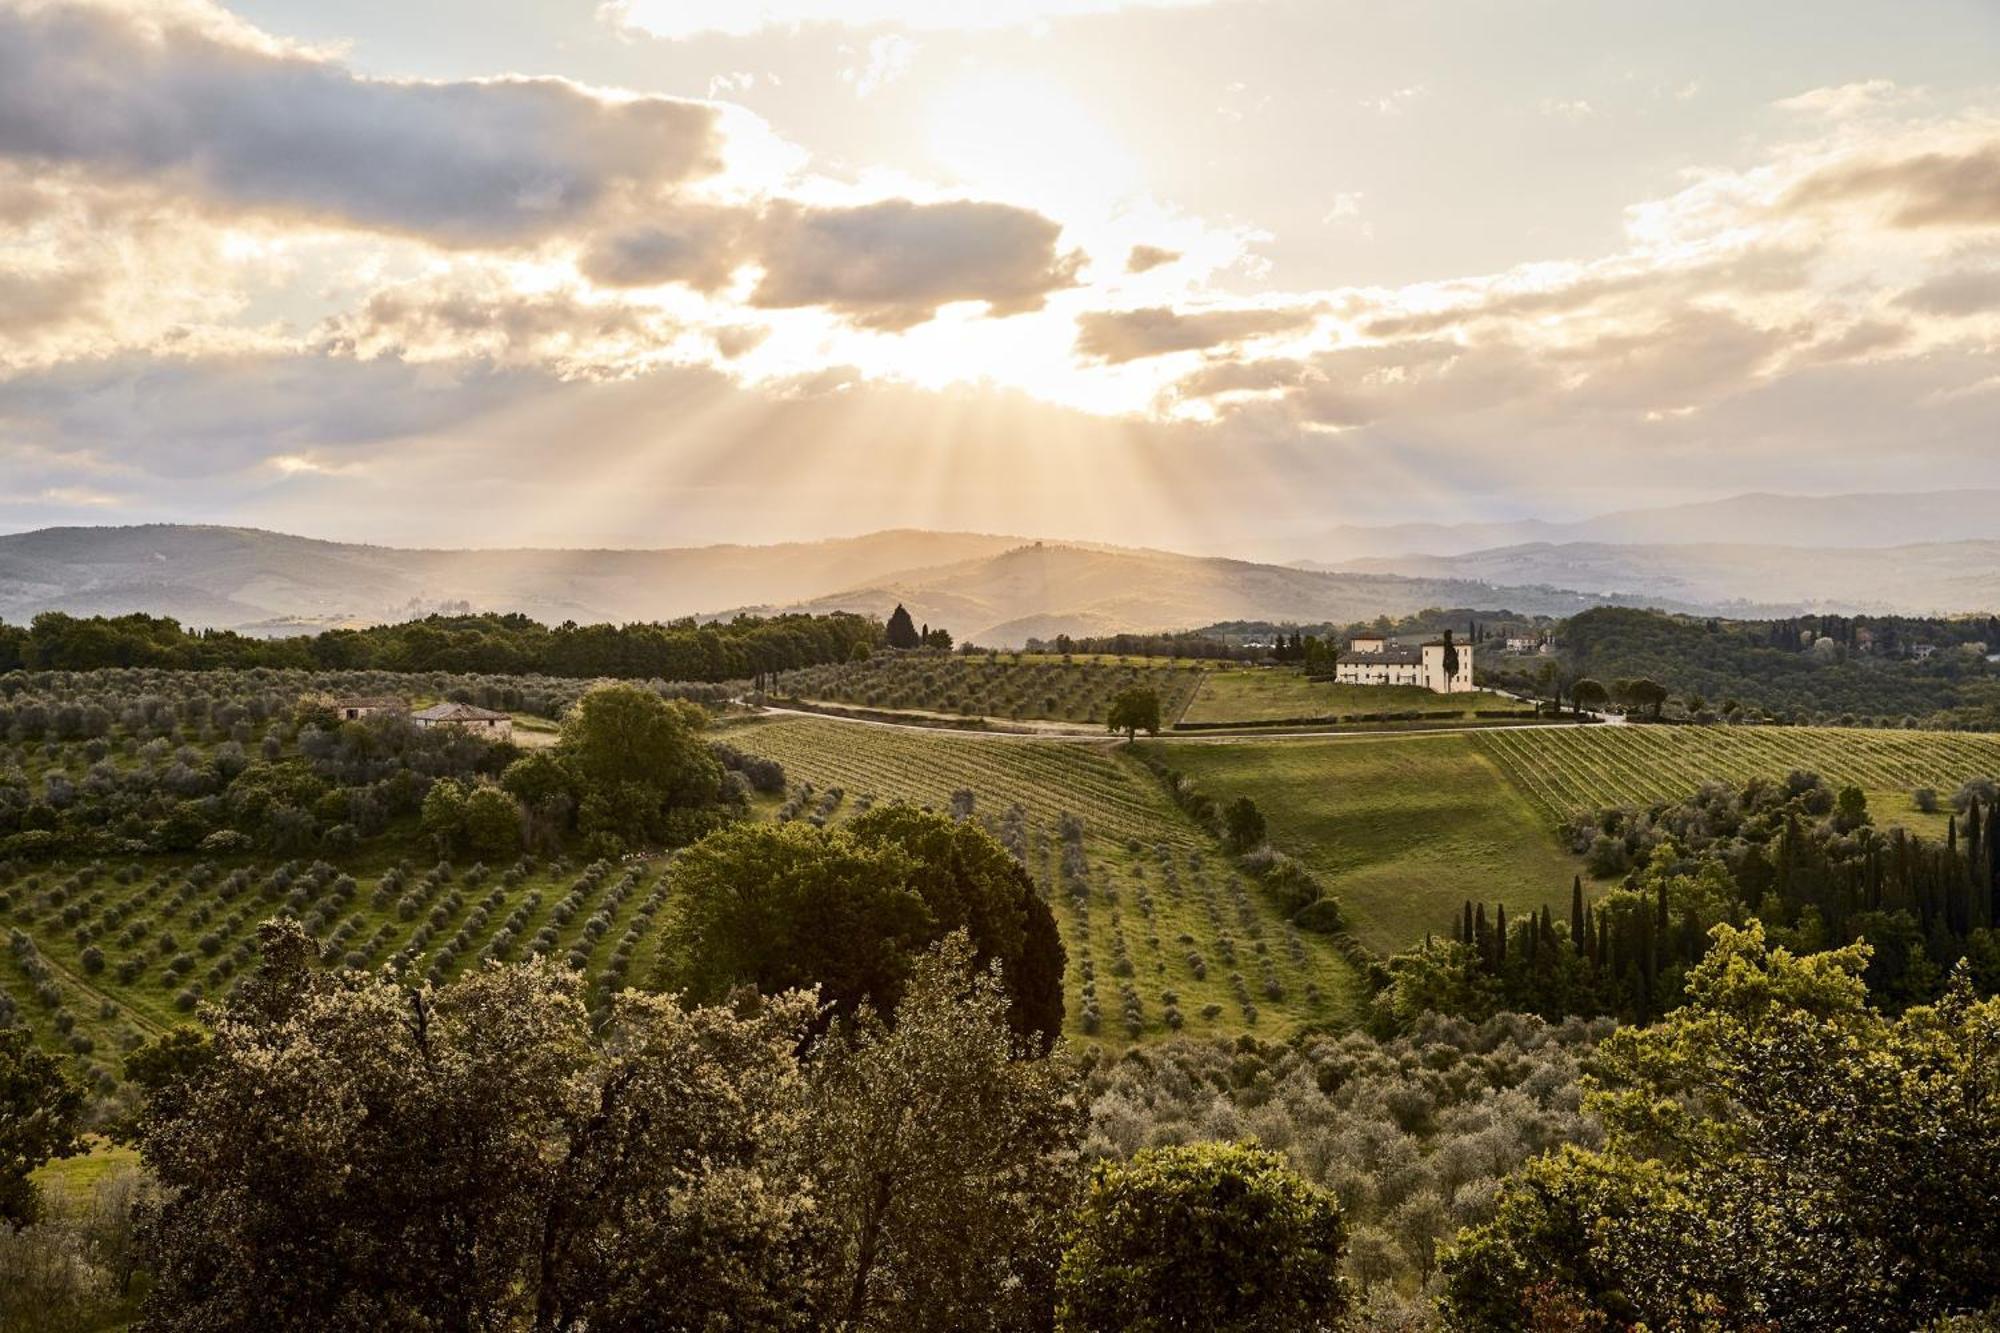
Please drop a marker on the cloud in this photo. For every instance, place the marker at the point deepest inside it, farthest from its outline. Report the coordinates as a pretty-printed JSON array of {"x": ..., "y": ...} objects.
[
  {"x": 1956, "y": 293},
  {"x": 890, "y": 265},
  {"x": 889, "y": 59},
  {"x": 1928, "y": 189},
  {"x": 245, "y": 125},
  {"x": 701, "y": 245},
  {"x": 742, "y": 18},
  {"x": 480, "y": 317},
  {"x": 1130, "y": 335},
  {"x": 1144, "y": 258}
]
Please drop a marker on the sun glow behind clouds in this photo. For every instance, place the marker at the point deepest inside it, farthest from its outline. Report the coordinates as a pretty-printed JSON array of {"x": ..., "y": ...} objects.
[{"x": 741, "y": 18}]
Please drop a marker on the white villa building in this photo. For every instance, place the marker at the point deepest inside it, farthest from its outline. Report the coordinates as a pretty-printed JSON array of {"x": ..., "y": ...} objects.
[{"x": 1375, "y": 661}]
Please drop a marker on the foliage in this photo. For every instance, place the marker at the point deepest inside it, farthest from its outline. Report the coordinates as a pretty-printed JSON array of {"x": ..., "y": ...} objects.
[
  {"x": 489, "y": 1157},
  {"x": 1216, "y": 1236},
  {"x": 1134, "y": 710},
  {"x": 1798, "y": 856},
  {"x": 945, "y": 1157},
  {"x": 1777, "y": 1154},
  {"x": 790, "y": 906},
  {"x": 1777, "y": 667},
  {"x": 39, "y": 1111},
  {"x": 636, "y": 762},
  {"x": 1412, "y": 1133},
  {"x": 1002, "y": 685},
  {"x": 743, "y": 648}
]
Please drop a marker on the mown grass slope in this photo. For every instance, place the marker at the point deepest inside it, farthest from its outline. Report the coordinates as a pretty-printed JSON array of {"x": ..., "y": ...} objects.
[
  {"x": 1404, "y": 829},
  {"x": 1264, "y": 694},
  {"x": 1153, "y": 916}
]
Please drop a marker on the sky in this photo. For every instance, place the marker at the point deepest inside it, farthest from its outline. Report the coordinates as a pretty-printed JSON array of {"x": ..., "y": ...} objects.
[{"x": 1212, "y": 275}]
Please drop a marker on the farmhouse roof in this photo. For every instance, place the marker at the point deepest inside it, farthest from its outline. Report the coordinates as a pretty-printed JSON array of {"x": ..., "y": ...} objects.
[{"x": 451, "y": 712}]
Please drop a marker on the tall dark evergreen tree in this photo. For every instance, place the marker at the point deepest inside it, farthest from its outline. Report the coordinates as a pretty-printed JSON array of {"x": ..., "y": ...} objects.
[{"x": 901, "y": 630}]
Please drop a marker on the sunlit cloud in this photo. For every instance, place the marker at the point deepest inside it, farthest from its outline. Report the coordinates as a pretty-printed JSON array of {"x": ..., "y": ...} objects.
[{"x": 741, "y": 18}]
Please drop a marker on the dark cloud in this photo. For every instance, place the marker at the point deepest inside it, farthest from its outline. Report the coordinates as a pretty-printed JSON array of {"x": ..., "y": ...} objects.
[
  {"x": 1963, "y": 292},
  {"x": 1144, "y": 257},
  {"x": 1128, "y": 335},
  {"x": 1926, "y": 190},
  {"x": 699, "y": 245},
  {"x": 886, "y": 265},
  {"x": 890, "y": 265},
  {"x": 499, "y": 162}
]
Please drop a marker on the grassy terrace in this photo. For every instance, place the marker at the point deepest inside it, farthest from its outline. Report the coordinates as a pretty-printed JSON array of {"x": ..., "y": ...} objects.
[
  {"x": 1266, "y": 694},
  {"x": 1134, "y": 883},
  {"x": 1403, "y": 828}
]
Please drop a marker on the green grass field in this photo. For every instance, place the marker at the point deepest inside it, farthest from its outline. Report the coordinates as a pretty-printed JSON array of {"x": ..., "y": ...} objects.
[
  {"x": 1404, "y": 829},
  {"x": 1137, "y": 886},
  {"x": 1583, "y": 768},
  {"x": 1266, "y": 694},
  {"x": 1021, "y": 687}
]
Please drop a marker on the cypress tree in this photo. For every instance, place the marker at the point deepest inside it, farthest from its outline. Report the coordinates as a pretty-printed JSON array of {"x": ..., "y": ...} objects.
[
  {"x": 1500, "y": 935},
  {"x": 1576, "y": 912}
]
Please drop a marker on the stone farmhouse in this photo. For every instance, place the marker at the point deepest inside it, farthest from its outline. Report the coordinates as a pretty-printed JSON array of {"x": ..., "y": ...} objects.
[
  {"x": 1373, "y": 660},
  {"x": 468, "y": 716}
]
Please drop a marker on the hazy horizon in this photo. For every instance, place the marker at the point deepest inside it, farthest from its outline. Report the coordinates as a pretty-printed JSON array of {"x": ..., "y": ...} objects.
[{"x": 1202, "y": 275}]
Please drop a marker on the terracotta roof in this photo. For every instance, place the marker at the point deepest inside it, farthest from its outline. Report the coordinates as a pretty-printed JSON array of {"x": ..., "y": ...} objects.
[
  {"x": 450, "y": 712},
  {"x": 1391, "y": 656}
]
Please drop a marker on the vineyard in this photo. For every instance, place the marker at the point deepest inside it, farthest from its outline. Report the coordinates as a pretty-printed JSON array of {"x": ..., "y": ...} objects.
[
  {"x": 1577, "y": 769},
  {"x": 1162, "y": 935},
  {"x": 102, "y": 957},
  {"x": 1014, "y": 686}
]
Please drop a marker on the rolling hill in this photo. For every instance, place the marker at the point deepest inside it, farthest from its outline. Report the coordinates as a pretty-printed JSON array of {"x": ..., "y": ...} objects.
[
  {"x": 1860, "y": 520},
  {"x": 1921, "y": 578},
  {"x": 995, "y": 589}
]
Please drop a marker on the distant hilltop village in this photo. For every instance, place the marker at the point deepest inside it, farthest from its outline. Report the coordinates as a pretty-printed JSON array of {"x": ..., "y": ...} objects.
[{"x": 1439, "y": 665}]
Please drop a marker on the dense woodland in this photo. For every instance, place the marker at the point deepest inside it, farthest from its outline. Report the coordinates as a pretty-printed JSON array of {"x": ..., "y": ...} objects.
[
  {"x": 682, "y": 650},
  {"x": 1829, "y": 669}
]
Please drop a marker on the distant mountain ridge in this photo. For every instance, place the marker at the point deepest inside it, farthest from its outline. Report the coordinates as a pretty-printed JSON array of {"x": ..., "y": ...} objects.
[
  {"x": 994, "y": 589},
  {"x": 1943, "y": 578},
  {"x": 1844, "y": 521}
]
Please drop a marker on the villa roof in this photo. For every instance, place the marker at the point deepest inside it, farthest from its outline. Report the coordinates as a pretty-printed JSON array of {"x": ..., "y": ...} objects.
[
  {"x": 452, "y": 712},
  {"x": 1394, "y": 655}
]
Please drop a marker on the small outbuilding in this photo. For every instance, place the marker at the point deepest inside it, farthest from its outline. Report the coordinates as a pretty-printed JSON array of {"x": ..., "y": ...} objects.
[
  {"x": 360, "y": 706},
  {"x": 468, "y": 716}
]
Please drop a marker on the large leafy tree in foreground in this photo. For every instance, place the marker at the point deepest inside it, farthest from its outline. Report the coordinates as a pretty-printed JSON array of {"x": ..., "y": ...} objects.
[
  {"x": 1777, "y": 1155},
  {"x": 39, "y": 1111},
  {"x": 349, "y": 1153}
]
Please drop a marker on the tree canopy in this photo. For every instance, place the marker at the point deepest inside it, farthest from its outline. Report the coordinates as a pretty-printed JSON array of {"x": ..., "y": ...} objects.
[
  {"x": 786, "y": 906},
  {"x": 1135, "y": 710},
  {"x": 1216, "y": 1236},
  {"x": 1777, "y": 1154}
]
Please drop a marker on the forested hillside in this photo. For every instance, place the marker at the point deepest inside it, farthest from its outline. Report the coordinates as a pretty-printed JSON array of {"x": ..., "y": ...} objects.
[{"x": 1781, "y": 667}]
